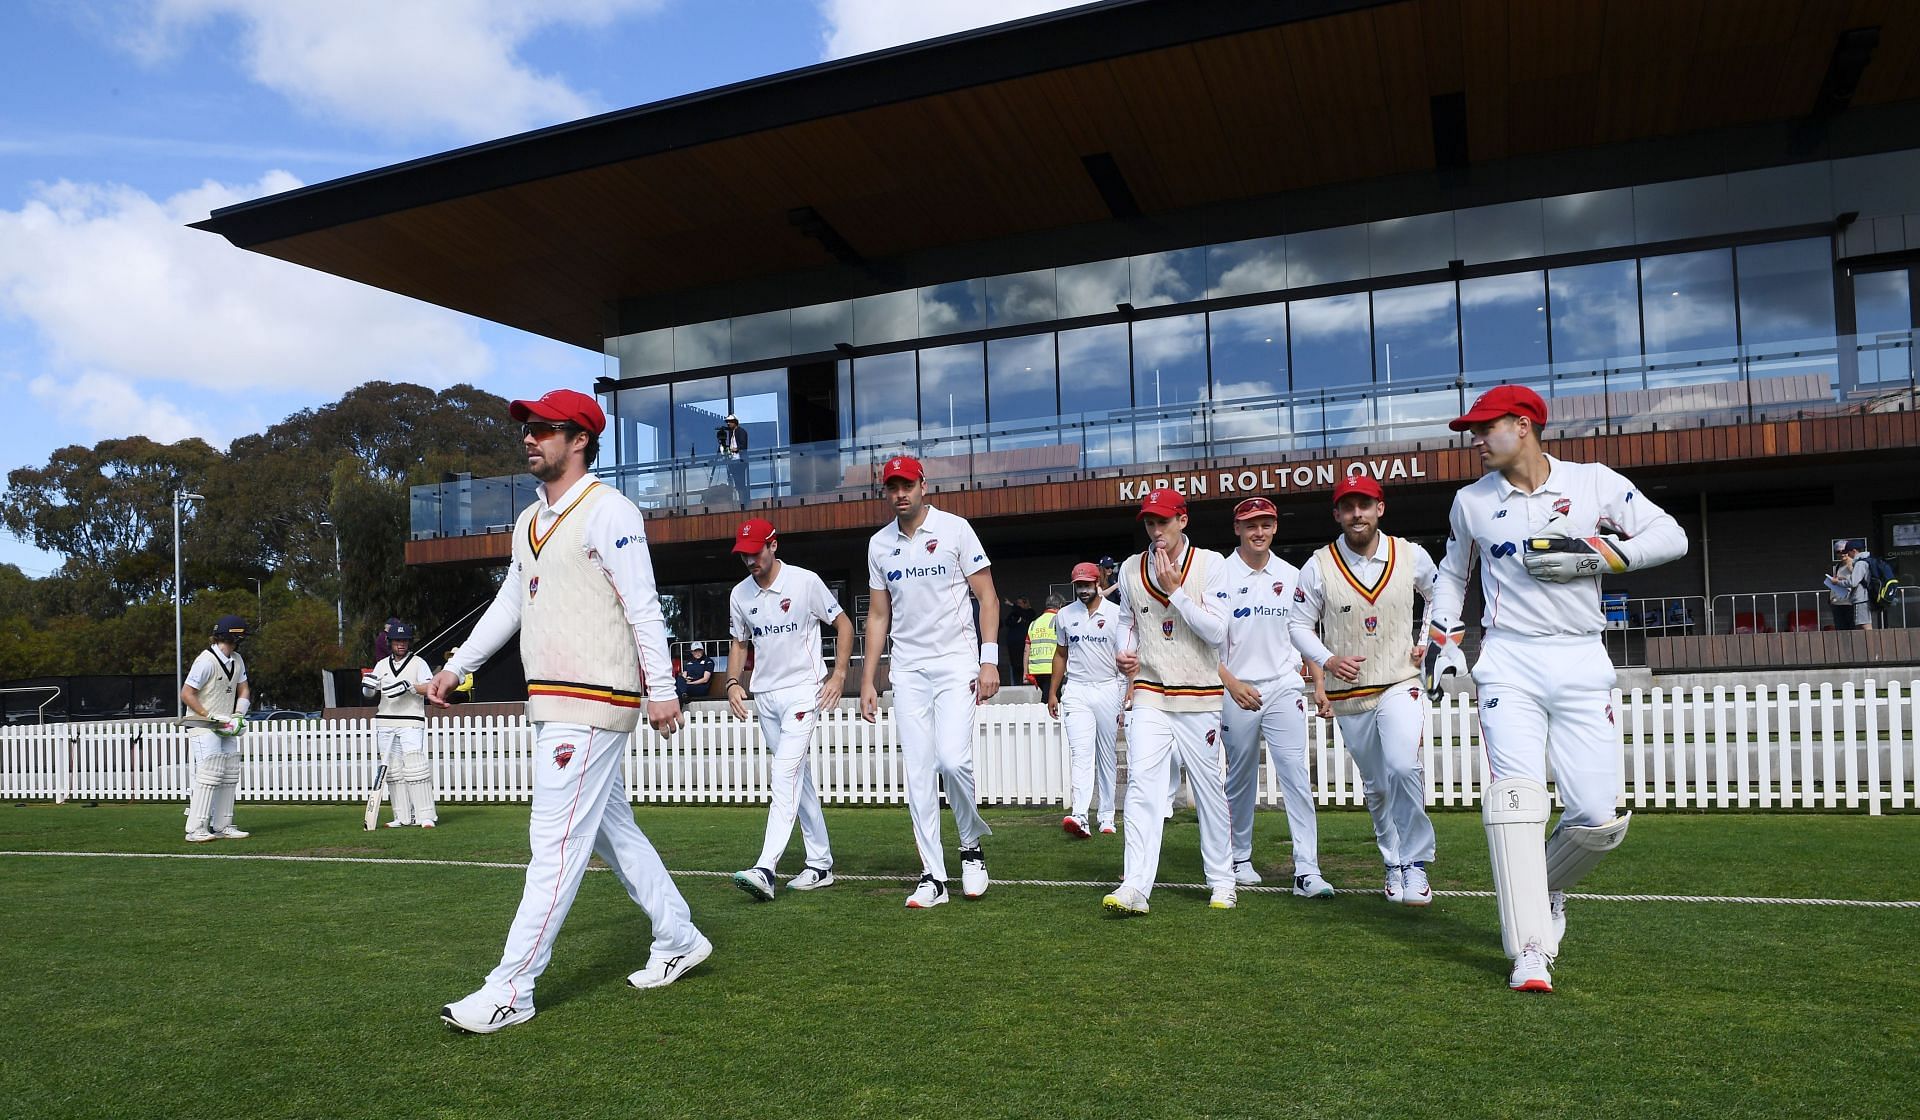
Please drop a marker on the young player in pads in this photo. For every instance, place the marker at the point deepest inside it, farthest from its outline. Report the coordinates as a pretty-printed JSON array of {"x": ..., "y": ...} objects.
[
  {"x": 216, "y": 699},
  {"x": 1088, "y": 628},
  {"x": 581, "y": 595},
  {"x": 1353, "y": 615},
  {"x": 1265, "y": 701},
  {"x": 778, "y": 610},
  {"x": 400, "y": 728},
  {"x": 1535, "y": 525},
  {"x": 1170, "y": 639},
  {"x": 920, "y": 568}
]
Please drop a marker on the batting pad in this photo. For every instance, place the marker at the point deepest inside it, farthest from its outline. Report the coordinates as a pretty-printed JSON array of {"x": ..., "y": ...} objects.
[
  {"x": 413, "y": 767},
  {"x": 1574, "y": 850},
  {"x": 1515, "y": 813},
  {"x": 206, "y": 780}
]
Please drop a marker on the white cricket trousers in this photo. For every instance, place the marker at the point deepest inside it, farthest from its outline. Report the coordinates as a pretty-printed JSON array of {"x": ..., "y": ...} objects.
[
  {"x": 1090, "y": 714},
  {"x": 933, "y": 709},
  {"x": 1387, "y": 743},
  {"x": 409, "y": 775},
  {"x": 580, "y": 808},
  {"x": 787, "y": 720},
  {"x": 1153, "y": 737},
  {"x": 1547, "y": 698},
  {"x": 1282, "y": 723}
]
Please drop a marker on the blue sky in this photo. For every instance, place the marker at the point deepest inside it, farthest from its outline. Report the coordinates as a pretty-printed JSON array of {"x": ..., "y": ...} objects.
[{"x": 123, "y": 120}]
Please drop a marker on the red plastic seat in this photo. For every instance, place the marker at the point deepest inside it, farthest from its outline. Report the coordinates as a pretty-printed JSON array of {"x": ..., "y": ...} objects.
[
  {"x": 1803, "y": 622},
  {"x": 1747, "y": 622}
]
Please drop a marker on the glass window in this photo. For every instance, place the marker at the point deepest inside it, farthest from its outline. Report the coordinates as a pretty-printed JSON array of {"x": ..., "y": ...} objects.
[
  {"x": 1024, "y": 297},
  {"x": 1411, "y": 244},
  {"x": 768, "y": 335},
  {"x": 643, "y": 354},
  {"x": 888, "y": 317},
  {"x": 884, "y": 394},
  {"x": 760, "y": 400},
  {"x": 1503, "y": 321},
  {"x": 1020, "y": 381},
  {"x": 1686, "y": 301},
  {"x": 1326, "y": 256},
  {"x": 699, "y": 345},
  {"x": 953, "y": 308},
  {"x": 1593, "y": 220},
  {"x": 953, "y": 386},
  {"x": 1243, "y": 267},
  {"x": 1249, "y": 346},
  {"x": 1594, "y": 312},
  {"x": 1786, "y": 290},
  {"x": 1163, "y": 278},
  {"x": 843, "y": 377},
  {"x": 1092, "y": 289},
  {"x": 822, "y": 326},
  {"x": 1332, "y": 342},
  {"x": 1883, "y": 316},
  {"x": 642, "y": 425},
  {"x": 1170, "y": 361},
  {"x": 1510, "y": 231},
  {"x": 1683, "y": 208},
  {"x": 1093, "y": 370},
  {"x": 699, "y": 408},
  {"x": 1415, "y": 334}
]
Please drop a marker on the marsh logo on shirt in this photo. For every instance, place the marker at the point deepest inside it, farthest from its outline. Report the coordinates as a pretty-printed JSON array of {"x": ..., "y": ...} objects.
[
  {"x": 562, "y": 755},
  {"x": 533, "y": 587},
  {"x": 1563, "y": 507},
  {"x": 1242, "y": 612},
  {"x": 625, "y": 541},
  {"x": 1503, "y": 549}
]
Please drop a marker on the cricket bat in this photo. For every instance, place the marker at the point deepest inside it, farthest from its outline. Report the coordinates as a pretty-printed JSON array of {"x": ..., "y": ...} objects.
[{"x": 372, "y": 819}]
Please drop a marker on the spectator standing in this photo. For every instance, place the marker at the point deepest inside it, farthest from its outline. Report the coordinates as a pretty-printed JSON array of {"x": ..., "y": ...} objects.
[{"x": 1042, "y": 639}]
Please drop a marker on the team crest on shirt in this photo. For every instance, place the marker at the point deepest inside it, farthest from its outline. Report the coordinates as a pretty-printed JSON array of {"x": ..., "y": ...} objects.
[
  {"x": 1279, "y": 587},
  {"x": 786, "y": 605},
  {"x": 1373, "y": 623},
  {"x": 1210, "y": 737},
  {"x": 1099, "y": 624},
  {"x": 1609, "y": 713},
  {"x": 800, "y": 716},
  {"x": 1563, "y": 507},
  {"x": 533, "y": 587},
  {"x": 1414, "y": 692},
  {"x": 1299, "y": 594},
  {"x": 1166, "y": 628},
  {"x": 932, "y": 544},
  {"x": 562, "y": 755}
]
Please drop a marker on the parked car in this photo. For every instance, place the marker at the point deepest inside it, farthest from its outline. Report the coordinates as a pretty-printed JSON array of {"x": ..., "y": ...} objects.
[{"x": 283, "y": 713}]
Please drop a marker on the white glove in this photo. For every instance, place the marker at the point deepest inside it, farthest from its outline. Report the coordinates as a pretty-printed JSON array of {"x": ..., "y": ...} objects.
[
  {"x": 1444, "y": 656},
  {"x": 397, "y": 688},
  {"x": 1555, "y": 557},
  {"x": 369, "y": 685}
]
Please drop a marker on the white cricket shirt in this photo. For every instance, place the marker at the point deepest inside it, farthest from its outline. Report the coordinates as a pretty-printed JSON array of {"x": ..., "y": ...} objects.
[
  {"x": 1091, "y": 638},
  {"x": 1311, "y": 598},
  {"x": 1258, "y": 605},
  {"x": 925, "y": 579},
  {"x": 1492, "y": 520},
  {"x": 782, "y": 620}
]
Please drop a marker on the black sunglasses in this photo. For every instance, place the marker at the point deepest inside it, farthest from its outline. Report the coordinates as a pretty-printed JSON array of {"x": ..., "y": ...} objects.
[{"x": 541, "y": 429}]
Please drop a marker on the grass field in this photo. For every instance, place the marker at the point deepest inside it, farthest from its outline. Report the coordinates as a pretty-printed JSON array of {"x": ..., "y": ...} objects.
[{"x": 227, "y": 988}]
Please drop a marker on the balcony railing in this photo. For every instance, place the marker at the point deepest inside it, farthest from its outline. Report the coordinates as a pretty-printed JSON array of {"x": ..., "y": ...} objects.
[{"x": 1809, "y": 377}]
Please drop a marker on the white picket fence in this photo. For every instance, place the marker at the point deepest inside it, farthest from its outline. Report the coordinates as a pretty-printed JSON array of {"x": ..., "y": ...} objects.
[{"x": 1787, "y": 746}]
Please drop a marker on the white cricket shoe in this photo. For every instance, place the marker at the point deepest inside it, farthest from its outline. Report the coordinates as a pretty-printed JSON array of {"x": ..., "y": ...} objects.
[
  {"x": 1396, "y": 887},
  {"x": 231, "y": 833},
  {"x": 1125, "y": 902},
  {"x": 481, "y": 1013},
  {"x": 1311, "y": 885},
  {"x": 1107, "y": 829},
  {"x": 1414, "y": 890},
  {"x": 199, "y": 836},
  {"x": 756, "y": 881},
  {"x": 664, "y": 968},
  {"x": 427, "y": 824},
  {"x": 1224, "y": 898},
  {"x": 1244, "y": 874},
  {"x": 973, "y": 873},
  {"x": 1532, "y": 971},
  {"x": 811, "y": 879},
  {"x": 930, "y": 893},
  {"x": 396, "y": 824},
  {"x": 1075, "y": 827},
  {"x": 1557, "y": 910}
]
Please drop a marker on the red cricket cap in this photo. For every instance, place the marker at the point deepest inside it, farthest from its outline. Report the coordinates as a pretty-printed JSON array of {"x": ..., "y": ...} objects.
[
  {"x": 1503, "y": 400},
  {"x": 902, "y": 466},
  {"x": 1254, "y": 507},
  {"x": 562, "y": 406},
  {"x": 1085, "y": 573},
  {"x": 1358, "y": 484},
  {"x": 1162, "y": 501},
  {"x": 754, "y": 535}
]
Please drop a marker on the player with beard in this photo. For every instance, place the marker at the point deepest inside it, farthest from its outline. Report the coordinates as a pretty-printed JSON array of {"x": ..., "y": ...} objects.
[{"x": 1095, "y": 691}]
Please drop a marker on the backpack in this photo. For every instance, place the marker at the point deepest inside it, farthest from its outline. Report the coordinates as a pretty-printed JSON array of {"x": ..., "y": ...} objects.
[{"x": 1882, "y": 581}]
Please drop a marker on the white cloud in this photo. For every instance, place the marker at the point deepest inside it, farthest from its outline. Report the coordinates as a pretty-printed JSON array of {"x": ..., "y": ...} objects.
[
  {"x": 128, "y": 304},
  {"x": 858, "y": 26},
  {"x": 405, "y": 67}
]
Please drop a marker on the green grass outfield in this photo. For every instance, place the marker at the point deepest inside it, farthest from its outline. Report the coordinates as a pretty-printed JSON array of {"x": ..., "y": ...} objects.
[{"x": 255, "y": 989}]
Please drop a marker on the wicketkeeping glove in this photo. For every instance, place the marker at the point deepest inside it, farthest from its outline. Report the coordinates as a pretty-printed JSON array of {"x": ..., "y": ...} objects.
[
  {"x": 1555, "y": 557},
  {"x": 1444, "y": 656}
]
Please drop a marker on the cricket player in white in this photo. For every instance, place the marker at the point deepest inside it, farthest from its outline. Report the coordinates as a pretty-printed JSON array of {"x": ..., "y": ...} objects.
[
  {"x": 921, "y": 566},
  {"x": 1265, "y": 697},
  {"x": 400, "y": 729},
  {"x": 1353, "y": 615},
  {"x": 778, "y": 610},
  {"x": 1084, "y": 667},
  {"x": 1535, "y": 524},
  {"x": 581, "y": 595},
  {"x": 1169, "y": 643},
  {"x": 216, "y": 700}
]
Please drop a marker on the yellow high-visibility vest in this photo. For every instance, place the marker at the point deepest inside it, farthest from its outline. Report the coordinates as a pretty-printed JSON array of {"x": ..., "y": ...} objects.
[{"x": 1042, "y": 640}]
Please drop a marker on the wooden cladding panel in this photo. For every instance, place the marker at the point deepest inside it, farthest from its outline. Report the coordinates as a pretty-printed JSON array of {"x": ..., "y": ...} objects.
[{"x": 1823, "y": 649}]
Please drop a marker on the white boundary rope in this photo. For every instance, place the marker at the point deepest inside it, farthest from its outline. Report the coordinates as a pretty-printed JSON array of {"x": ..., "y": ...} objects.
[{"x": 1741, "y": 900}]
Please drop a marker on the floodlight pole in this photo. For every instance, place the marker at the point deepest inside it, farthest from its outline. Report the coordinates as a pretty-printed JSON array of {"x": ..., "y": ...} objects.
[
  {"x": 179, "y": 648},
  {"x": 339, "y": 590}
]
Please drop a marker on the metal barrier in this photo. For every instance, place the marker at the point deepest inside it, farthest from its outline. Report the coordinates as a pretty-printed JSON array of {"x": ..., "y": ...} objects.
[
  {"x": 1772, "y": 612},
  {"x": 1630, "y": 622}
]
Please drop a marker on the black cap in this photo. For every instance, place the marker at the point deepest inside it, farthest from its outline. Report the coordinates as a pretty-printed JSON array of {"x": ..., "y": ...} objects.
[{"x": 400, "y": 632}]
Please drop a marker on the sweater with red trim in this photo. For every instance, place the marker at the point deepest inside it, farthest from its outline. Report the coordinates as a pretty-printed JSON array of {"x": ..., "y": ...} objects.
[{"x": 575, "y": 641}]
